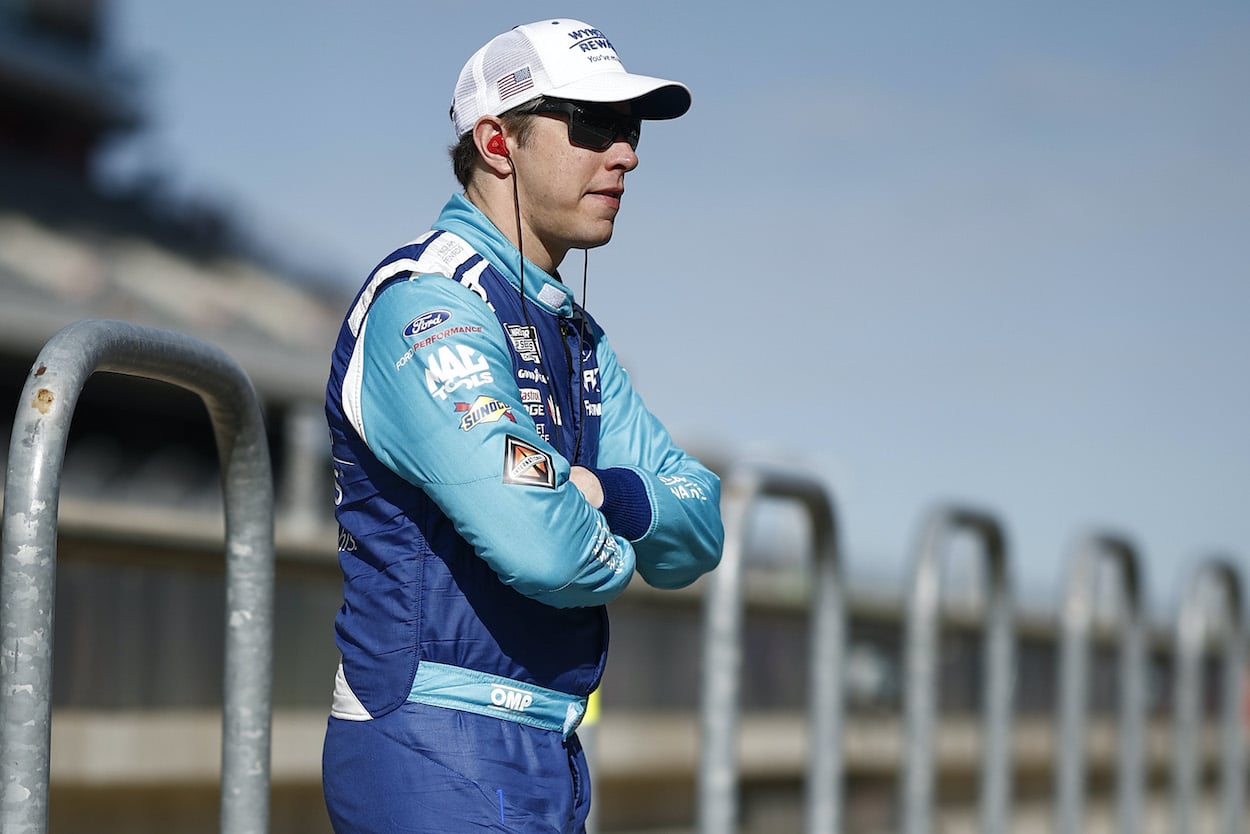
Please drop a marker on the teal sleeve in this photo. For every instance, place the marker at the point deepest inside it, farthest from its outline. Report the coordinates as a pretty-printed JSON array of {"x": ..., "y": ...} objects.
[
  {"x": 685, "y": 537},
  {"x": 440, "y": 407}
]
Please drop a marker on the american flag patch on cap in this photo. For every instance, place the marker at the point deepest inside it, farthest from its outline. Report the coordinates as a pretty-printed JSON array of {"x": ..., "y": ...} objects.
[{"x": 515, "y": 82}]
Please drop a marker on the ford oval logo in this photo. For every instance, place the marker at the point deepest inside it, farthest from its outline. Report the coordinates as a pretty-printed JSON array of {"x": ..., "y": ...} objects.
[{"x": 426, "y": 321}]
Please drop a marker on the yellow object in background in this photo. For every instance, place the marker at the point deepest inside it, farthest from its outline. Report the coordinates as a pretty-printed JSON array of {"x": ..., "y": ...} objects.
[{"x": 592, "y": 709}]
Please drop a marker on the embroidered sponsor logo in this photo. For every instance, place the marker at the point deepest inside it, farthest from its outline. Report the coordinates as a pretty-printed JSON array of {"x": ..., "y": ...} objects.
[
  {"x": 593, "y": 409},
  {"x": 590, "y": 379},
  {"x": 431, "y": 339},
  {"x": 532, "y": 375},
  {"x": 338, "y": 479},
  {"x": 684, "y": 488},
  {"x": 453, "y": 367},
  {"x": 483, "y": 410},
  {"x": 449, "y": 249},
  {"x": 593, "y": 41},
  {"x": 525, "y": 341},
  {"x": 347, "y": 542},
  {"x": 526, "y": 466},
  {"x": 426, "y": 321},
  {"x": 554, "y": 411},
  {"x": 508, "y": 698},
  {"x": 532, "y": 399},
  {"x": 606, "y": 548}
]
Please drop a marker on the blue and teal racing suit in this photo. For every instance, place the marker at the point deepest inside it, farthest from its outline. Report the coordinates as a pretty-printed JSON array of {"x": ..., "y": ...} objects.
[{"x": 475, "y": 573}]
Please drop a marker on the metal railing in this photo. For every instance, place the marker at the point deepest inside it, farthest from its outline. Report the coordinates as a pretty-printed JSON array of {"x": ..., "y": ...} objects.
[
  {"x": 1076, "y": 624},
  {"x": 722, "y": 658},
  {"x": 27, "y": 583},
  {"x": 1211, "y": 621},
  {"x": 1199, "y": 621},
  {"x": 922, "y": 663}
]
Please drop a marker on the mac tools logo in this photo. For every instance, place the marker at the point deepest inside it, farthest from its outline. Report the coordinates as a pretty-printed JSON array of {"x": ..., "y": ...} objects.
[{"x": 454, "y": 367}]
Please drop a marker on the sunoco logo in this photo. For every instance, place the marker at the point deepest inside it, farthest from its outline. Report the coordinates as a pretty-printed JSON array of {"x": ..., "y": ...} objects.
[
  {"x": 483, "y": 410},
  {"x": 514, "y": 700}
]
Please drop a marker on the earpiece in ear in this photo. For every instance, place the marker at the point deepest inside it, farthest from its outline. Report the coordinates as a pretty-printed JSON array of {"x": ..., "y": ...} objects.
[{"x": 497, "y": 145}]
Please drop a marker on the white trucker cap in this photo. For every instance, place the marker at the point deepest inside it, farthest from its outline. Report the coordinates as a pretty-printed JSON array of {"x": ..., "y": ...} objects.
[{"x": 562, "y": 58}]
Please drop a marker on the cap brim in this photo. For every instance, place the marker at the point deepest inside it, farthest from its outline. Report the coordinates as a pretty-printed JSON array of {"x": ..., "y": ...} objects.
[{"x": 651, "y": 98}]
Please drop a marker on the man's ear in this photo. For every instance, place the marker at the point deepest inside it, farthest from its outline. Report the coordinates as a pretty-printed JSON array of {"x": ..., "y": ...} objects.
[{"x": 492, "y": 145}]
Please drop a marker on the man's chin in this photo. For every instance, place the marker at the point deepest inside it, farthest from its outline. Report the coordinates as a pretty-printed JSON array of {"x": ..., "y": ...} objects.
[{"x": 599, "y": 237}]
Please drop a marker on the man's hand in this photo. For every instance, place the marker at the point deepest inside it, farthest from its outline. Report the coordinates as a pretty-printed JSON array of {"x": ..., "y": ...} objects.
[{"x": 588, "y": 483}]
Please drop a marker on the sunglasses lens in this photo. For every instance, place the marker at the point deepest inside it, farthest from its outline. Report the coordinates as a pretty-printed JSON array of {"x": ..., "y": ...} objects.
[{"x": 599, "y": 129}]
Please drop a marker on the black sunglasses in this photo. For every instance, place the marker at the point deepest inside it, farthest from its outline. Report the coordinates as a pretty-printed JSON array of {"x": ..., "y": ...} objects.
[{"x": 592, "y": 127}]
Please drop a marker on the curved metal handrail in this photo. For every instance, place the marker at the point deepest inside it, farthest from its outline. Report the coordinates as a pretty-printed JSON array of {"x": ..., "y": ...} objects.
[
  {"x": 722, "y": 657},
  {"x": 1076, "y": 623},
  {"x": 1195, "y": 625},
  {"x": 27, "y": 584},
  {"x": 922, "y": 663}
]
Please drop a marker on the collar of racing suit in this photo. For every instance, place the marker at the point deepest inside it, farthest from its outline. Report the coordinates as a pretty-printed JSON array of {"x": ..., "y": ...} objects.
[{"x": 462, "y": 218}]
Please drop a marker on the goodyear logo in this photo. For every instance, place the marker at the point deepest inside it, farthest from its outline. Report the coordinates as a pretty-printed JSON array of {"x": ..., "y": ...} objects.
[{"x": 483, "y": 410}]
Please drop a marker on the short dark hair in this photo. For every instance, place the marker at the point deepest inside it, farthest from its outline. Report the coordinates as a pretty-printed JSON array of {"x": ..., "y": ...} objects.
[{"x": 464, "y": 154}]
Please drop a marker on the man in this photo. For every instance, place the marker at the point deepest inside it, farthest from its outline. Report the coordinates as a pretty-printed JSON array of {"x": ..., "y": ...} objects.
[{"x": 498, "y": 479}]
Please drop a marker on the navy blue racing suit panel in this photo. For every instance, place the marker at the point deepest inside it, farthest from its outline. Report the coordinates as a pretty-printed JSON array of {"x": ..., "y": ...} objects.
[{"x": 441, "y": 770}]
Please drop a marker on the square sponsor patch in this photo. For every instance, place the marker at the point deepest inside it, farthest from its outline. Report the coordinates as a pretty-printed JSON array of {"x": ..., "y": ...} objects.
[
  {"x": 526, "y": 466},
  {"x": 525, "y": 341}
]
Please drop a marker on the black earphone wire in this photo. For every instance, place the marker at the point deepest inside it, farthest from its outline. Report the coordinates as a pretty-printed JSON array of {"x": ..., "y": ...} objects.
[
  {"x": 520, "y": 247},
  {"x": 581, "y": 318},
  {"x": 581, "y": 358}
]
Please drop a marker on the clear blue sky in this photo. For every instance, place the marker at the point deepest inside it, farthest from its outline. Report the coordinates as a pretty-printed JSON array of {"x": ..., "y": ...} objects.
[{"x": 983, "y": 252}]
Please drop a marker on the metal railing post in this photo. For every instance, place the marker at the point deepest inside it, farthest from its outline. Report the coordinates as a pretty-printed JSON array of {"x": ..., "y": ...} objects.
[
  {"x": 722, "y": 658},
  {"x": 922, "y": 664},
  {"x": 1075, "y": 626},
  {"x": 1195, "y": 625},
  {"x": 32, "y": 492}
]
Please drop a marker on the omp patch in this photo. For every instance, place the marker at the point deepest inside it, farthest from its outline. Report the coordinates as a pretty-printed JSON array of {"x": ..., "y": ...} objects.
[{"x": 524, "y": 465}]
